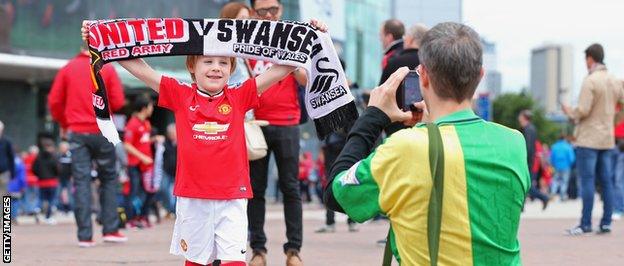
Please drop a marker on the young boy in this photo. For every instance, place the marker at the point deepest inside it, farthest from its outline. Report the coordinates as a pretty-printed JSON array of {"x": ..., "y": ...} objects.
[
  {"x": 138, "y": 145},
  {"x": 212, "y": 179},
  {"x": 46, "y": 168}
]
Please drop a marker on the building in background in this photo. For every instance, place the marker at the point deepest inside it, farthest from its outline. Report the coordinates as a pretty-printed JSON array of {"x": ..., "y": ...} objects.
[
  {"x": 491, "y": 82},
  {"x": 494, "y": 82},
  {"x": 361, "y": 47},
  {"x": 332, "y": 12},
  {"x": 427, "y": 12},
  {"x": 551, "y": 76},
  {"x": 362, "y": 50}
]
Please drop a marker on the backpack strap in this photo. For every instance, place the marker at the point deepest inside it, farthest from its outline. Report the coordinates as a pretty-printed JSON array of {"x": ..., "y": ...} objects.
[
  {"x": 387, "y": 258},
  {"x": 434, "y": 217}
]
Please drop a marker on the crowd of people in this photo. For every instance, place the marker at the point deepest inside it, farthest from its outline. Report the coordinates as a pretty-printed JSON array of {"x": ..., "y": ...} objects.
[
  {"x": 430, "y": 153},
  {"x": 573, "y": 165},
  {"x": 42, "y": 183}
]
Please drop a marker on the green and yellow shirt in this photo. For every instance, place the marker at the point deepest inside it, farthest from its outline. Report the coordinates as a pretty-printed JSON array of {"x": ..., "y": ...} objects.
[{"x": 485, "y": 182}]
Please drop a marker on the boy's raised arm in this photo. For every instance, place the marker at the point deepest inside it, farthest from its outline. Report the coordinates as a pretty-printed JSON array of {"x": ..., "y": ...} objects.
[
  {"x": 272, "y": 76},
  {"x": 137, "y": 67},
  {"x": 278, "y": 72},
  {"x": 141, "y": 70}
]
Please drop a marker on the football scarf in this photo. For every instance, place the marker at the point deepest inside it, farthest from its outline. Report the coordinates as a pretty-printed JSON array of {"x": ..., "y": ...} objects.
[
  {"x": 152, "y": 174},
  {"x": 328, "y": 99}
]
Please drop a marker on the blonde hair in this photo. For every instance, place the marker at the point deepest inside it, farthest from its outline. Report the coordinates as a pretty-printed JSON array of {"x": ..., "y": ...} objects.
[
  {"x": 230, "y": 10},
  {"x": 192, "y": 59}
]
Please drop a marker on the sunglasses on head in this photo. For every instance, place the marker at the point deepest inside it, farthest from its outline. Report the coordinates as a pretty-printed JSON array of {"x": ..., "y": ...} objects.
[{"x": 264, "y": 11}]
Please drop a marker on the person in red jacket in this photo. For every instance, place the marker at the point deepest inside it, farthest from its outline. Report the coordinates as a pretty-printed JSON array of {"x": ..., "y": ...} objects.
[
  {"x": 279, "y": 105},
  {"x": 70, "y": 103}
]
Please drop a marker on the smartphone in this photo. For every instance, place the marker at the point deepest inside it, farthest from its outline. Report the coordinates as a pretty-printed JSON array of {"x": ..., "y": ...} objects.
[{"x": 409, "y": 92}]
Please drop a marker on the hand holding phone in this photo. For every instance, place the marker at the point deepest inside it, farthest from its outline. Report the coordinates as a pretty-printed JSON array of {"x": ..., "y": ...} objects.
[
  {"x": 409, "y": 92},
  {"x": 384, "y": 97}
]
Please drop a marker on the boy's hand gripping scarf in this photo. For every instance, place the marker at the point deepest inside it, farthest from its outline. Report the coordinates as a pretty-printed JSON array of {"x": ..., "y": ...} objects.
[{"x": 328, "y": 99}]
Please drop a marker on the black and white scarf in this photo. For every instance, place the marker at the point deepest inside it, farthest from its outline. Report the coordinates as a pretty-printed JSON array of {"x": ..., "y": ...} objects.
[{"x": 328, "y": 99}]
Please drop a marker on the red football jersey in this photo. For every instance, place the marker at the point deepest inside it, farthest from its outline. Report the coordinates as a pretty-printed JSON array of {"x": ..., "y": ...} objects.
[
  {"x": 137, "y": 134},
  {"x": 212, "y": 156},
  {"x": 279, "y": 104}
]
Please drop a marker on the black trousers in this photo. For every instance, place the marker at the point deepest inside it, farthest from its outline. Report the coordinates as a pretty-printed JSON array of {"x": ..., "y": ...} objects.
[
  {"x": 331, "y": 152},
  {"x": 283, "y": 143}
]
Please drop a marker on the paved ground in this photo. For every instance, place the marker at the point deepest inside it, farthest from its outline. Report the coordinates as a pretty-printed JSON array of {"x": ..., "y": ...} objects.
[{"x": 541, "y": 237}]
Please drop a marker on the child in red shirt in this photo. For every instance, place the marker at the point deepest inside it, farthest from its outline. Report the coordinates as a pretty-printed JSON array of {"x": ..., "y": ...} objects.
[
  {"x": 138, "y": 145},
  {"x": 212, "y": 178}
]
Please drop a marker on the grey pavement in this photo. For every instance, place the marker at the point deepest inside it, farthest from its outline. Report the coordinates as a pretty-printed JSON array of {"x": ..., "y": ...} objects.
[{"x": 541, "y": 236}]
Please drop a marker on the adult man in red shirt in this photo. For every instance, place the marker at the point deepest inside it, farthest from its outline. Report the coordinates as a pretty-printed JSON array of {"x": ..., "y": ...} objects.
[
  {"x": 70, "y": 103},
  {"x": 280, "y": 106},
  {"x": 138, "y": 145}
]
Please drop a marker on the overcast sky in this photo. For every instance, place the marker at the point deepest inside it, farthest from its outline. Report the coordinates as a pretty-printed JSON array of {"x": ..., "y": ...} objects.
[{"x": 519, "y": 26}]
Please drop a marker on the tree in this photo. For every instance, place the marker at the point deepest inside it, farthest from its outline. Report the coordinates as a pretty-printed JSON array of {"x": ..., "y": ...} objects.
[{"x": 506, "y": 108}]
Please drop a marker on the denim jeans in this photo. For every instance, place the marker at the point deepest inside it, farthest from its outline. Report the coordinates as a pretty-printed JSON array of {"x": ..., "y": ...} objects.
[
  {"x": 166, "y": 192},
  {"x": 592, "y": 164},
  {"x": 141, "y": 200},
  {"x": 283, "y": 142},
  {"x": 618, "y": 182},
  {"x": 136, "y": 198},
  {"x": 16, "y": 204},
  {"x": 65, "y": 202},
  {"x": 560, "y": 183},
  {"x": 534, "y": 191},
  {"x": 86, "y": 149},
  {"x": 48, "y": 195},
  {"x": 31, "y": 199}
]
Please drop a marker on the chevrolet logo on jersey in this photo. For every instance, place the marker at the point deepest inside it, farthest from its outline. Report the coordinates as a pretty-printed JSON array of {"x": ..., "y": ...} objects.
[{"x": 211, "y": 128}]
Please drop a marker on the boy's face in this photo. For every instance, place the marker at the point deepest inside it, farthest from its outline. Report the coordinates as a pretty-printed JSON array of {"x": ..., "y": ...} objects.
[
  {"x": 149, "y": 110},
  {"x": 63, "y": 147},
  {"x": 212, "y": 72}
]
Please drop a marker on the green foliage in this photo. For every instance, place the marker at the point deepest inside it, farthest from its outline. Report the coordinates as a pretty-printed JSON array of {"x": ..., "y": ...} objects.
[{"x": 506, "y": 108}]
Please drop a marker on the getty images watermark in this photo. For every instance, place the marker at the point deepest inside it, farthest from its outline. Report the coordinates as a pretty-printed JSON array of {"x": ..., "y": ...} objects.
[{"x": 6, "y": 229}]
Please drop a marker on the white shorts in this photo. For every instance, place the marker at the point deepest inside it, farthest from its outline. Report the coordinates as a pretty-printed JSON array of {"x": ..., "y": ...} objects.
[{"x": 207, "y": 230}]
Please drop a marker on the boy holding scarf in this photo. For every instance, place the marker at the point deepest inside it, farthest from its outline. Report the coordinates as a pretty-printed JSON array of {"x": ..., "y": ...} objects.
[{"x": 212, "y": 192}]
